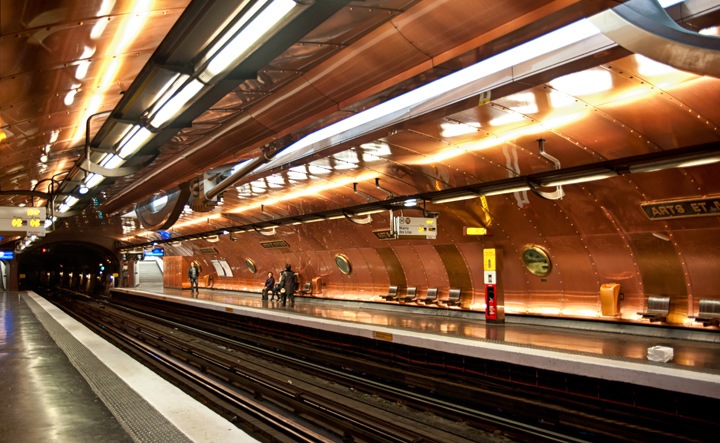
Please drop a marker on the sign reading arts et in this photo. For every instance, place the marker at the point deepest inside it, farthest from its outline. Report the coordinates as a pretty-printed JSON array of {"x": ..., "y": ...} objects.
[{"x": 682, "y": 208}]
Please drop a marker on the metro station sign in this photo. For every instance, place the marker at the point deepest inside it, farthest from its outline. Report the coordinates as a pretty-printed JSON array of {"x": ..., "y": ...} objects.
[{"x": 682, "y": 208}]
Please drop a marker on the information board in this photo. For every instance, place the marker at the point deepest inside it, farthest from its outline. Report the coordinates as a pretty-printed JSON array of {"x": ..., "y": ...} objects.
[
  {"x": 416, "y": 227},
  {"x": 29, "y": 220}
]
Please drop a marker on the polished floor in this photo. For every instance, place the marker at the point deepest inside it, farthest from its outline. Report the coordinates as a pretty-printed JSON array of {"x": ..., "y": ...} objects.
[
  {"x": 44, "y": 398},
  {"x": 62, "y": 383},
  {"x": 613, "y": 351}
]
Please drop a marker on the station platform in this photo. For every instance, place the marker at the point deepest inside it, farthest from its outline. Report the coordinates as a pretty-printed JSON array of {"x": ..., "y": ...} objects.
[
  {"x": 62, "y": 383},
  {"x": 602, "y": 350}
]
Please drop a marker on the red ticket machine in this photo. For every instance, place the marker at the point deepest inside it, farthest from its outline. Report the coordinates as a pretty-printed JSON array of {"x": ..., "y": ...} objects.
[{"x": 490, "y": 303}]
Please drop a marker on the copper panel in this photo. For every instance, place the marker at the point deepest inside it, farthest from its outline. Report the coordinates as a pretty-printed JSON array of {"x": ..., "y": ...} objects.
[
  {"x": 457, "y": 267},
  {"x": 393, "y": 267},
  {"x": 300, "y": 92},
  {"x": 354, "y": 21},
  {"x": 353, "y": 70},
  {"x": 661, "y": 269},
  {"x": 696, "y": 248}
]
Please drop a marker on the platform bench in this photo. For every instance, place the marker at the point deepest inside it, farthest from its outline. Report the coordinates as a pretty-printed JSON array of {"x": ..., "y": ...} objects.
[
  {"x": 709, "y": 313},
  {"x": 658, "y": 308},
  {"x": 306, "y": 290},
  {"x": 430, "y": 298},
  {"x": 410, "y": 294},
  {"x": 392, "y": 294},
  {"x": 454, "y": 297}
]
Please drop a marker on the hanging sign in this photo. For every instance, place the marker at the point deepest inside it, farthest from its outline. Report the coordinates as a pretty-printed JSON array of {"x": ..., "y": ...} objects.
[{"x": 416, "y": 227}]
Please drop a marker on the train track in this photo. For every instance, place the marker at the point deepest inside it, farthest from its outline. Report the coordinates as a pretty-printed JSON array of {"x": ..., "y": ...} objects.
[{"x": 287, "y": 388}]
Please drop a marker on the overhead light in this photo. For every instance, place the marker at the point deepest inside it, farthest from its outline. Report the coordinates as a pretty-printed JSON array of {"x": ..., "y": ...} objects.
[
  {"x": 93, "y": 180},
  {"x": 112, "y": 162},
  {"x": 68, "y": 203},
  {"x": 456, "y": 198},
  {"x": 176, "y": 103},
  {"x": 582, "y": 179},
  {"x": 83, "y": 190},
  {"x": 508, "y": 190},
  {"x": 682, "y": 162},
  {"x": 410, "y": 202},
  {"x": 245, "y": 34},
  {"x": 133, "y": 141},
  {"x": 368, "y": 212},
  {"x": 386, "y": 112}
]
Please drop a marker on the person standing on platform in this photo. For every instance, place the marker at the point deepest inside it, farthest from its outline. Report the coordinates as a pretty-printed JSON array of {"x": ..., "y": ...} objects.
[
  {"x": 269, "y": 285},
  {"x": 288, "y": 285},
  {"x": 194, "y": 273}
]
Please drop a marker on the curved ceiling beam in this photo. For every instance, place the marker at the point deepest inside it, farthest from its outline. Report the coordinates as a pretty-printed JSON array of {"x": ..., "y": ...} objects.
[
  {"x": 89, "y": 166},
  {"x": 154, "y": 219},
  {"x": 643, "y": 27}
]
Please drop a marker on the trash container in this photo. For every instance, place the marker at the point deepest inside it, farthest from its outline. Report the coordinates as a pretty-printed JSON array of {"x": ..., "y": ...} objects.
[{"x": 609, "y": 294}]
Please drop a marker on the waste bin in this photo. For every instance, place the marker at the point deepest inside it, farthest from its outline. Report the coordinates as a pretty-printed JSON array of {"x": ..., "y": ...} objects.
[{"x": 609, "y": 294}]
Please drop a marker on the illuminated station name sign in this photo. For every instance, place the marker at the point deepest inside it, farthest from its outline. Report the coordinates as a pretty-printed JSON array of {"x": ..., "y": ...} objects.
[{"x": 28, "y": 220}]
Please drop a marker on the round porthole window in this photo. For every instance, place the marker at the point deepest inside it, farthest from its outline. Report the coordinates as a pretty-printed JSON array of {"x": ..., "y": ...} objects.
[
  {"x": 343, "y": 264},
  {"x": 536, "y": 260},
  {"x": 250, "y": 265}
]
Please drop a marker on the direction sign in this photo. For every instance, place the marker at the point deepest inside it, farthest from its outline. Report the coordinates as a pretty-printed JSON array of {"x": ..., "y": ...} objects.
[
  {"x": 30, "y": 220},
  {"x": 416, "y": 227},
  {"x": 27, "y": 212}
]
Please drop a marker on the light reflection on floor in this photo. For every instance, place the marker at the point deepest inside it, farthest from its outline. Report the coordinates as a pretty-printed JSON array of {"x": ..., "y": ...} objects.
[{"x": 692, "y": 354}]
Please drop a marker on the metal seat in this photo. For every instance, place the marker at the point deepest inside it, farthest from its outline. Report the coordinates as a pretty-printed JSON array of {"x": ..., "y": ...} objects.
[
  {"x": 658, "y": 309},
  {"x": 307, "y": 289},
  {"x": 709, "y": 313},
  {"x": 392, "y": 294},
  {"x": 431, "y": 297},
  {"x": 454, "y": 297},
  {"x": 409, "y": 295}
]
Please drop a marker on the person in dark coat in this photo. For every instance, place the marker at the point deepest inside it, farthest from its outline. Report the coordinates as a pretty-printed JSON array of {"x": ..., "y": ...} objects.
[
  {"x": 288, "y": 285},
  {"x": 269, "y": 286},
  {"x": 193, "y": 274}
]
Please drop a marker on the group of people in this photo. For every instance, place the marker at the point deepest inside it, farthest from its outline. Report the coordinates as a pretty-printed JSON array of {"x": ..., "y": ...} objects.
[{"x": 284, "y": 290}]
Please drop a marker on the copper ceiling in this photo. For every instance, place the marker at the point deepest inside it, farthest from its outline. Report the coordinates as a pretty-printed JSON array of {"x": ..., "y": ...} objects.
[{"x": 66, "y": 64}]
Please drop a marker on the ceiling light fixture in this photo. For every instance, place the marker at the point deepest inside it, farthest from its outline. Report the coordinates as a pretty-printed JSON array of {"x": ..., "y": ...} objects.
[
  {"x": 456, "y": 198},
  {"x": 507, "y": 190},
  {"x": 245, "y": 34},
  {"x": 575, "y": 180}
]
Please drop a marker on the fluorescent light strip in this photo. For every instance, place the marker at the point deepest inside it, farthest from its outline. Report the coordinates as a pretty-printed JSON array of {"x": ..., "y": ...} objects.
[
  {"x": 576, "y": 180},
  {"x": 507, "y": 191},
  {"x": 93, "y": 180},
  {"x": 455, "y": 199},
  {"x": 112, "y": 162},
  {"x": 545, "y": 44},
  {"x": 250, "y": 34},
  {"x": 176, "y": 104},
  {"x": 560, "y": 38},
  {"x": 133, "y": 141}
]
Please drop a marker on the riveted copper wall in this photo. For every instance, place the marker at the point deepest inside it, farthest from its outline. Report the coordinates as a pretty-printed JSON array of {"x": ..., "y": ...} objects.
[{"x": 457, "y": 269}]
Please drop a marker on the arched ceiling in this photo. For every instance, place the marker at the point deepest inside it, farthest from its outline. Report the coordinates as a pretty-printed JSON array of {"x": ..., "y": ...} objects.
[{"x": 73, "y": 74}]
